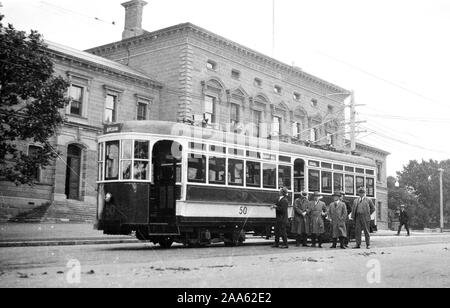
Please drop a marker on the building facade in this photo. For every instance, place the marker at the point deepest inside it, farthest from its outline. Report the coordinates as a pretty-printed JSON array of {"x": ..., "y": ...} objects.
[{"x": 180, "y": 74}]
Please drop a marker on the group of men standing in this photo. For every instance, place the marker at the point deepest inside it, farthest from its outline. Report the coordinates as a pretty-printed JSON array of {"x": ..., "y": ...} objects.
[{"x": 309, "y": 219}]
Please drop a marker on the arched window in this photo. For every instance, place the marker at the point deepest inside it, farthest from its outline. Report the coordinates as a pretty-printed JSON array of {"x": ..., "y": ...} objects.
[
  {"x": 213, "y": 90},
  {"x": 299, "y": 124}
]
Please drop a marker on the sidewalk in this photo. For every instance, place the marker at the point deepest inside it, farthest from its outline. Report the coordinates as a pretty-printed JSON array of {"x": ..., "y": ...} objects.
[
  {"x": 67, "y": 234},
  {"x": 60, "y": 234}
]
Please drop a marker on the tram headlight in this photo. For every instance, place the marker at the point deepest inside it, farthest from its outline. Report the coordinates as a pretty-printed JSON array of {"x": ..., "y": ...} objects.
[{"x": 108, "y": 197}]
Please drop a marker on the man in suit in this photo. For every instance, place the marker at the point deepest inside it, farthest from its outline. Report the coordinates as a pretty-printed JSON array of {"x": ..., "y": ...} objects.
[
  {"x": 348, "y": 226},
  {"x": 404, "y": 220},
  {"x": 337, "y": 212},
  {"x": 282, "y": 220},
  {"x": 316, "y": 211},
  {"x": 362, "y": 209},
  {"x": 299, "y": 227}
]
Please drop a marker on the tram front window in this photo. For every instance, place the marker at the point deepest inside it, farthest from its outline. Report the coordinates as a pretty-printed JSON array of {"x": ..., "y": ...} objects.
[{"x": 112, "y": 160}]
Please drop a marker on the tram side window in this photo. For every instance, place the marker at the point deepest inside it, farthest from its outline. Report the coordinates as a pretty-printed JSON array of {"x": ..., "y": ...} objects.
[
  {"x": 217, "y": 170},
  {"x": 360, "y": 183},
  {"x": 327, "y": 182},
  {"x": 112, "y": 161},
  {"x": 235, "y": 172},
  {"x": 196, "y": 168},
  {"x": 349, "y": 185},
  {"x": 338, "y": 182},
  {"x": 270, "y": 176},
  {"x": 284, "y": 176},
  {"x": 314, "y": 180},
  {"x": 126, "y": 156},
  {"x": 141, "y": 160},
  {"x": 370, "y": 187},
  {"x": 253, "y": 174}
]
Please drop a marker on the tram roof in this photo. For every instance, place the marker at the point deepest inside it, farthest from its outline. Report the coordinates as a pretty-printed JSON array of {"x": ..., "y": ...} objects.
[{"x": 206, "y": 135}]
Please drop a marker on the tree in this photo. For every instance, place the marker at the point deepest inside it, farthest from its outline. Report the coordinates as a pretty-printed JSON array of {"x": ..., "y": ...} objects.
[
  {"x": 30, "y": 101},
  {"x": 420, "y": 181}
]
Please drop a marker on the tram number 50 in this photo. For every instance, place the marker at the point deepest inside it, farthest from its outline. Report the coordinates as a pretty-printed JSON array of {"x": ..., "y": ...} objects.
[{"x": 243, "y": 210}]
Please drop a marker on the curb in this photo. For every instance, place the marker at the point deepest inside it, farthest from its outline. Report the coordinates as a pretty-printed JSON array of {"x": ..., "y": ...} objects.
[{"x": 66, "y": 243}]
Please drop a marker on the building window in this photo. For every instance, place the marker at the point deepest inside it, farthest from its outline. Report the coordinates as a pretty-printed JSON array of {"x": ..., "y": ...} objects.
[
  {"x": 297, "y": 130},
  {"x": 210, "y": 109},
  {"x": 111, "y": 108},
  {"x": 297, "y": 96},
  {"x": 314, "y": 134},
  {"x": 330, "y": 138},
  {"x": 234, "y": 115},
  {"x": 276, "y": 126},
  {"x": 379, "y": 171},
  {"x": 142, "y": 110},
  {"x": 258, "y": 82},
  {"x": 235, "y": 74},
  {"x": 211, "y": 65},
  {"x": 314, "y": 103},
  {"x": 35, "y": 152},
  {"x": 76, "y": 100},
  {"x": 257, "y": 119},
  {"x": 277, "y": 89}
]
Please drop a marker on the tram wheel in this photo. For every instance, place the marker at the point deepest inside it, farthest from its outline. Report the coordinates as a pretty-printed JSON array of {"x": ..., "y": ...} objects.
[{"x": 166, "y": 243}]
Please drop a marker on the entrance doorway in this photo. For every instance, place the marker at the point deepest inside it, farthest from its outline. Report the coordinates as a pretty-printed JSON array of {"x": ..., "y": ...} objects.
[{"x": 73, "y": 172}]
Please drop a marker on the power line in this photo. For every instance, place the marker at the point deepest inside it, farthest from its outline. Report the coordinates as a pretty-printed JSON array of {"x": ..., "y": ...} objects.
[{"x": 394, "y": 84}]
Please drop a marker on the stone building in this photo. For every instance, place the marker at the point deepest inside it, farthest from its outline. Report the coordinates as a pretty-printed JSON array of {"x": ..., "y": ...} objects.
[
  {"x": 180, "y": 74},
  {"x": 102, "y": 91}
]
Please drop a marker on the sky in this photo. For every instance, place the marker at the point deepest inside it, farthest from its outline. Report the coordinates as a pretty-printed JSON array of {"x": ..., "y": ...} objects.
[{"x": 394, "y": 54}]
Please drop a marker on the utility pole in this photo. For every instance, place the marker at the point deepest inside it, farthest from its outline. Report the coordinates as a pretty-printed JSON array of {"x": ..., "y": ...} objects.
[
  {"x": 441, "y": 171},
  {"x": 353, "y": 122}
]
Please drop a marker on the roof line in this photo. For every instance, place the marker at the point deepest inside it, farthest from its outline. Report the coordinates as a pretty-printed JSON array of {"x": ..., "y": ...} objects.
[{"x": 249, "y": 51}]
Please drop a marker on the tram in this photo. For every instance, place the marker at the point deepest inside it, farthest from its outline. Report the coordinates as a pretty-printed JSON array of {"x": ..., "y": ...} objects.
[{"x": 172, "y": 182}]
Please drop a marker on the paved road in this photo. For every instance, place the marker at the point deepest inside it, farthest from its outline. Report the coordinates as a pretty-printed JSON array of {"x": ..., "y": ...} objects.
[{"x": 393, "y": 262}]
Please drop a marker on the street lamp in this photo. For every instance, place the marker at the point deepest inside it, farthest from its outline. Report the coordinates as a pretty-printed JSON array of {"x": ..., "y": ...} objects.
[{"x": 441, "y": 172}]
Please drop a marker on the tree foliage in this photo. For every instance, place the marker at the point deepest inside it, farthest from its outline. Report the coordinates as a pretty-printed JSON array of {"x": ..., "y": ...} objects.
[
  {"x": 419, "y": 190},
  {"x": 30, "y": 101}
]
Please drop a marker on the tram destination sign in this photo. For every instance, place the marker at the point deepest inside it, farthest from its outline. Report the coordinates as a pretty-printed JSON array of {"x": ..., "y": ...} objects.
[{"x": 112, "y": 128}]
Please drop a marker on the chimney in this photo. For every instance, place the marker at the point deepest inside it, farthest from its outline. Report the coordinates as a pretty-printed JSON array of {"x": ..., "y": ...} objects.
[{"x": 133, "y": 18}]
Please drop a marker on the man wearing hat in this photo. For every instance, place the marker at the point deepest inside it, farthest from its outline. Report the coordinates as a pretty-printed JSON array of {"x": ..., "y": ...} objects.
[
  {"x": 337, "y": 212},
  {"x": 404, "y": 219},
  {"x": 317, "y": 209},
  {"x": 348, "y": 226},
  {"x": 299, "y": 227},
  {"x": 282, "y": 220},
  {"x": 362, "y": 209}
]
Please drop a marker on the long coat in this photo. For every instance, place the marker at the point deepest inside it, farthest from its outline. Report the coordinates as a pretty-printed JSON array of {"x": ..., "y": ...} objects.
[
  {"x": 299, "y": 225},
  {"x": 282, "y": 206},
  {"x": 404, "y": 217},
  {"x": 366, "y": 206},
  {"x": 314, "y": 217},
  {"x": 337, "y": 212}
]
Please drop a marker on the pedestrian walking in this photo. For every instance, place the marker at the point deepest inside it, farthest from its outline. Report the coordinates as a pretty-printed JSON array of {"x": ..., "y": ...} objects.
[
  {"x": 299, "y": 227},
  {"x": 282, "y": 219},
  {"x": 316, "y": 212},
  {"x": 337, "y": 213},
  {"x": 404, "y": 220},
  {"x": 361, "y": 212}
]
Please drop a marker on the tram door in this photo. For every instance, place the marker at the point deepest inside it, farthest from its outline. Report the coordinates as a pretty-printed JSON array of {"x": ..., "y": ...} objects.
[
  {"x": 166, "y": 171},
  {"x": 299, "y": 176}
]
